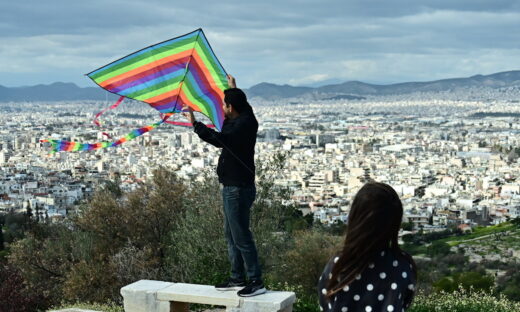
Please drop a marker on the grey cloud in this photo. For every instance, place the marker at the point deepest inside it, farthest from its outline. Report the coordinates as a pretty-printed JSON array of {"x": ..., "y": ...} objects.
[
  {"x": 280, "y": 41},
  {"x": 59, "y": 16}
]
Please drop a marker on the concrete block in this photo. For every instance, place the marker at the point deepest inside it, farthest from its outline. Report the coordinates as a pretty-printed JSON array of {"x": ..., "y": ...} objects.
[
  {"x": 203, "y": 294},
  {"x": 141, "y": 296},
  {"x": 157, "y": 296},
  {"x": 271, "y": 301}
]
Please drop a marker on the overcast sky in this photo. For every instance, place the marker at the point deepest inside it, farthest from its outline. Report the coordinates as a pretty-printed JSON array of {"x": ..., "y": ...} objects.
[{"x": 284, "y": 41}]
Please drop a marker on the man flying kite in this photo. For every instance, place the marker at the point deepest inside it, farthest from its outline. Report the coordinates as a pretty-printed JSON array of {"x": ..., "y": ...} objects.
[
  {"x": 184, "y": 73},
  {"x": 236, "y": 172}
]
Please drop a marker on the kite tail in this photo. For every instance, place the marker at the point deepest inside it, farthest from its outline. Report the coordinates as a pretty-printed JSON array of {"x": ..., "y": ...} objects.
[
  {"x": 67, "y": 146},
  {"x": 96, "y": 121}
]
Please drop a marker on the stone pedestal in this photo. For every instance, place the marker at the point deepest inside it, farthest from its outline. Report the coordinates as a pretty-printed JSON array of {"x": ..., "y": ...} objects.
[
  {"x": 156, "y": 296},
  {"x": 141, "y": 296}
]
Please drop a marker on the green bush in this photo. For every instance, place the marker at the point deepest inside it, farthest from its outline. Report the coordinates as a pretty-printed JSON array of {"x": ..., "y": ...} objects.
[
  {"x": 197, "y": 252},
  {"x": 14, "y": 295},
  {"x": 172, "y": 230},
  {"x": 509, "y": 283},
  {"x": 198, "y": 249},
  {"x": 14, "y": 226},
  {"x": 45, "y": 256},
  {"x": 167, "y": 229},
  {"x": 270, "y": 217},
  {"x": 438, "y": 249},
  {"x": 463, "y": 301},
  {"x": 303, "y": 262},
  {"x": 465, "y": 280},
  {"x": 112, "y": 242}
]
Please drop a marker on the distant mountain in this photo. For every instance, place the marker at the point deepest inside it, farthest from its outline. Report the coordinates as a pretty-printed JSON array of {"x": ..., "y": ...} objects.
[
  {"x": 269, "y": 90},
  {"x": 58, "y": 91},
  {"x": 350, "y": 90},
  {"x": 357, "y": 88}
]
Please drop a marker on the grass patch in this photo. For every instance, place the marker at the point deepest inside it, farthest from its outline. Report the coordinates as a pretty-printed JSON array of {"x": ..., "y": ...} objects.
[
  {"x": 107, "y": 307},
  {"x": 414, "y": 250},
  {"x": 479, "y": 232}
]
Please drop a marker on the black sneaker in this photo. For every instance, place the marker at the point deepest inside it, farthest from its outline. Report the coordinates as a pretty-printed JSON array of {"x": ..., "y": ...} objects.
[
  {"x": 231, "y": 284},
  {"x": 253, "y": 288}
]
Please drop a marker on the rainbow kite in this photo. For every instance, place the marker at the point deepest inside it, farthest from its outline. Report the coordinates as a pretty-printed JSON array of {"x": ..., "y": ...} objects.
[{"x": 167, "y": 75}]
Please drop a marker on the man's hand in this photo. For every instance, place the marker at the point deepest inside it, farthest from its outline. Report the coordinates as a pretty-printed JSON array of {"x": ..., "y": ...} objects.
[
  {"x": 188, "y": 113},
  {"x": 231, "y": 81}
]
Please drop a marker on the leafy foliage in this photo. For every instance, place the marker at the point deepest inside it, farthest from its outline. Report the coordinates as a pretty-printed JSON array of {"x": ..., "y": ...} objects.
[
  {"x": 509, "y": 283},
  {"x": 45, "y": 256},
  {"x": 172, "y": 230},
  {"x": 88, "y": 257},
  {"x": 14, "y": 295},
  {"x": 197, "y": 242},
  {"x": 15, "y": 225},
  {"x": 438, "y": 249},
  {"x": 463, "y": 301},
  {"x": 167, "y": 229},
  {"x": 465, "y": 280},
  {"x": 303, "y": 262}
]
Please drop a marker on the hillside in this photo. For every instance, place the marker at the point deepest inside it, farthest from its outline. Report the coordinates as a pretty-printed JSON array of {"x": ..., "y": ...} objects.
[{"x": 350, "y": 90}]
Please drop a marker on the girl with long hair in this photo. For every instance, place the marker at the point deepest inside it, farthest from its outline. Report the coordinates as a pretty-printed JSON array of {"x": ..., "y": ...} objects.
[{"x": 371, "y": 273}]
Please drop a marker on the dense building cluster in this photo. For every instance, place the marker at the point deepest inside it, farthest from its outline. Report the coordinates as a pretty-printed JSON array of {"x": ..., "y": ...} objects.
[{"x": 452, "y": 157}]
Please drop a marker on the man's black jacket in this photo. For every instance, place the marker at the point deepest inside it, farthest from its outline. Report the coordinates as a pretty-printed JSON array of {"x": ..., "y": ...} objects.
[{"x": 236, "y": 164}]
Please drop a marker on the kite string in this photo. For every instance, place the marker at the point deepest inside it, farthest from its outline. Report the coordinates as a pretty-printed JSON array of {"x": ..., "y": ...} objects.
[
  {"x": 181, "y": 123},
  {"x": 186, "y": 124}
]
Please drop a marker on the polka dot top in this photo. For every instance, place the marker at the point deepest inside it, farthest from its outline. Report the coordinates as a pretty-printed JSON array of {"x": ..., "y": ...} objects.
[{"x": 387, "y": 284}]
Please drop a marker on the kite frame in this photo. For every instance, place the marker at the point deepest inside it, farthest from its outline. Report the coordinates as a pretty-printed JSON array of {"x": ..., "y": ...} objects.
[
  {"x": 198, "y": 29},
  {"x": 185, "y": 73}
]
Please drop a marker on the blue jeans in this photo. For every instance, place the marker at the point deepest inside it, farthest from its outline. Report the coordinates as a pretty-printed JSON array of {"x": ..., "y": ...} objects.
[{"x": 241, "y": 246}]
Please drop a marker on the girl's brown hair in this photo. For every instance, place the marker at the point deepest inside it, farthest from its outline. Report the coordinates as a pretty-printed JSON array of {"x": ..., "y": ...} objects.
[{"x": 373, "y": 225}]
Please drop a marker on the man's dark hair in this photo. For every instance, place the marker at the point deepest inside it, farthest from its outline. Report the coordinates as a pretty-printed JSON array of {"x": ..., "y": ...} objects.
[{"x": 236, "y": 98}]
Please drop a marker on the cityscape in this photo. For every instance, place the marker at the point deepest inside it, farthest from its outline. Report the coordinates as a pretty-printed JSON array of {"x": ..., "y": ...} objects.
[
  {"x": 452, "y": 156},
  {"x": 110, "y": 201},
  {"x": 449, "y": 155}
]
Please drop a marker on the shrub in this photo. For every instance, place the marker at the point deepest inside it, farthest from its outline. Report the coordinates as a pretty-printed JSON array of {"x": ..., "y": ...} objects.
[
  {"x": 14, "y": 295},
  {"x": 463, "y": 301},
  {"x": 45, "y": 256},
  {"x": 198, "y": 249},
  {"x": 303, "y": 263},
  {"x": 465, "y": 280},
  {"x": 438, "y": 249},
  {"x": 271, "y": 219},
  {"x": 197, "y": 252},
  {"x": 509, "y": 284},
  {"x": 91, "y": 280},
  {"x": 458, "y": 261},
  {"x": 142, "y": 219},
  {"x": 16, "y": 225},
  {"x": 86, "y": 258}
]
